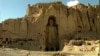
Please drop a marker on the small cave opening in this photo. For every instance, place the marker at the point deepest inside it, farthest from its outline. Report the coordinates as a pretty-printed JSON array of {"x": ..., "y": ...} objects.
[
  {"x": 6, "y": 39},
  {"x": 21, "y": 43},
  {"x": 79, "y": 29},
  {"x": 89, "y": 44}
]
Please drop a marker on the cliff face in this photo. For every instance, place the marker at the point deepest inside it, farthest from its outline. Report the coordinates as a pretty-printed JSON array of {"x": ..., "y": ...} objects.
[
  {"x": 1, "y": 32},
  {"x": 70, "y": 21}
]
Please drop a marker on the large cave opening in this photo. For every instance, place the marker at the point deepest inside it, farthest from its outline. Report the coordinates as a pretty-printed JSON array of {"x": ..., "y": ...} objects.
[{"x": 52, "y": 39}]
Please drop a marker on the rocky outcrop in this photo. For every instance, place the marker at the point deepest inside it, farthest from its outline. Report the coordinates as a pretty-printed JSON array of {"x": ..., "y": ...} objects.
[{"x": 70, "y": 21}]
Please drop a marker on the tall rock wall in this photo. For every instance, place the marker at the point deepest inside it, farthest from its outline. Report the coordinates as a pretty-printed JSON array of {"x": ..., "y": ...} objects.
[
  {"x": 70, "y": 21},
  {"x": 1, "y": 32}
]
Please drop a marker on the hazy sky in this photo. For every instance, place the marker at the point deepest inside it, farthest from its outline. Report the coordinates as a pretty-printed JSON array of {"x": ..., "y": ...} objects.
[{"x": 17, "y": 8}]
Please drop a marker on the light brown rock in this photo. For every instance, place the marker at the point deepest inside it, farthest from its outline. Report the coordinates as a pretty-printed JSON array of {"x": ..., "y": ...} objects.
[{"x": 70, "y": 21}]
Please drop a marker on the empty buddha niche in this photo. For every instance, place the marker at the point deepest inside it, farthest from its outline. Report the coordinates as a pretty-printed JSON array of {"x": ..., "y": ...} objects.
[{"x": 52, "y": 40}]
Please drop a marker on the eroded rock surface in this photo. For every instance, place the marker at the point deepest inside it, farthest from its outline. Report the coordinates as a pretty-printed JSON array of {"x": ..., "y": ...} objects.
[
  {"x": 70, "y": 21},
  {"x": 83, "y": 42}
]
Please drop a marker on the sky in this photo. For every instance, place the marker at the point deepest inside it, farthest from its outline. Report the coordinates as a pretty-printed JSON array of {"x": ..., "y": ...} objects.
[{"x": 17, "y": 8}]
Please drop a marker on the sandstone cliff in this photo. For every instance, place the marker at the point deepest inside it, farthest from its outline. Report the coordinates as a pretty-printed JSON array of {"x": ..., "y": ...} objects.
[
  {"x": 70, "y": 21},
  {"x": 1, "y": 31}
]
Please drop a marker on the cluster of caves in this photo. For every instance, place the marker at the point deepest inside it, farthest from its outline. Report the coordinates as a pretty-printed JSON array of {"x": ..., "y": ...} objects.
[
  {"x": 9, "y": 43},
  {"x": 84, "y": 18}
]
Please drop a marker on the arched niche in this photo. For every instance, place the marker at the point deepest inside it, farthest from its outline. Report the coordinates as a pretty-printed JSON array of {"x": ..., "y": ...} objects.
[{"x": 51, "y": 39}]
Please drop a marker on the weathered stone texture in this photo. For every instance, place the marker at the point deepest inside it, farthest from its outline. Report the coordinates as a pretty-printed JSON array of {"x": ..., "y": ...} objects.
[
  {"x": 1, "y": 32},
  {"x": 70, "y": 21}
]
